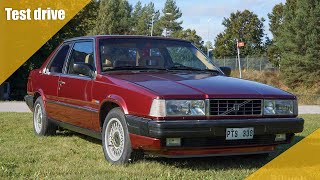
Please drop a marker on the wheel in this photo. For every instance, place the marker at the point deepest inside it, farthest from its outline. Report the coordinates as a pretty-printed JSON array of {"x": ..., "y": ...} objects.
[
  {"x": 116, "y": 142},
  {"x": 42, "y": 126}
]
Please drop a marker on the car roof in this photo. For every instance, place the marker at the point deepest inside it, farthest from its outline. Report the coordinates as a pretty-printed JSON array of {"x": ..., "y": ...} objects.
[{"x": 124, "y": 37}]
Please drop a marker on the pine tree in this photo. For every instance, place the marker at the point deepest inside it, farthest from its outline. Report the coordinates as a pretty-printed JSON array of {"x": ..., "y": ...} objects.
[
  {"x": 137, "y": 12},
  {"x": 299, "y": 42},
  {"x": 276, "y": 20},
  {"x": 143, "y": 18},
  {"x": 169, "y": 21},
  {"x": 190, "y": 35},
  {"x": 114, "y": 17}
]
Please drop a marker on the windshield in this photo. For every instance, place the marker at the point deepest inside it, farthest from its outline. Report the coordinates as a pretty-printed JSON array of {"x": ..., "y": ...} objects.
[{"x": 135, "y": 53}]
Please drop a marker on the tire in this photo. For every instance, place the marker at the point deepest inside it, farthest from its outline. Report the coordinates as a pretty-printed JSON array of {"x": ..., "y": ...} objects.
[
  {"x": 41, "y": 125},
  {"x": 116, "y": 142}
]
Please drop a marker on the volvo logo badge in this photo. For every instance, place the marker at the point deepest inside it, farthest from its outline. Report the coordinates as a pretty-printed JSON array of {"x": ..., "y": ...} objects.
[{"x": 236, "y": 107}]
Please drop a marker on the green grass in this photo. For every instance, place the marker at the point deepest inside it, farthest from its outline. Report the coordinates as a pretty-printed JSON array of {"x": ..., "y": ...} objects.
[{"x": 72, "y": 156}]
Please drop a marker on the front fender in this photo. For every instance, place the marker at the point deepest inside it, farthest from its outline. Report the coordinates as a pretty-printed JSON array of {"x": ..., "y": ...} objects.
[{"x": 118, "y": 100}]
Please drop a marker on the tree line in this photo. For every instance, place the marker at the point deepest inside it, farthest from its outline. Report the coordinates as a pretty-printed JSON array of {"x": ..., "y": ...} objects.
[{"x": 294, "y": 48}]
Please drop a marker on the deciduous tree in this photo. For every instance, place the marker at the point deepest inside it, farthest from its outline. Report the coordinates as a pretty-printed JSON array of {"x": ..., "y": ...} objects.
[{"x": 244, "y": 26}]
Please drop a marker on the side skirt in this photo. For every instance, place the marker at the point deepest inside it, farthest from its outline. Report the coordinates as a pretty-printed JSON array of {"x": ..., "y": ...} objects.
[{"x": 77, "y": 129}]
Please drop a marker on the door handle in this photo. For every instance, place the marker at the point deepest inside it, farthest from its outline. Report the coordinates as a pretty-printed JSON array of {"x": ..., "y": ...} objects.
[{"x": 61, "y": 82}]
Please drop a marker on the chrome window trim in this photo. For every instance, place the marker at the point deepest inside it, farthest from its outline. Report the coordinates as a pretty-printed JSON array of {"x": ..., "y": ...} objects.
[
  {"x": 46, "y": 69},
  {"x": 76, "y": 76},
  {"x": 73, "y": 42}
]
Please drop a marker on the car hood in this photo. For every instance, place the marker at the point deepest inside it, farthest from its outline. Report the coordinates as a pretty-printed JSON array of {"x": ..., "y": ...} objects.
[{"x": 201, "y": 85}]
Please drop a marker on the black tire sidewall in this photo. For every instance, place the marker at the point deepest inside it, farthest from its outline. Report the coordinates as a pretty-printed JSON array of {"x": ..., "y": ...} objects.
[
  {"x": 125, "y": 157},
  {"x": 44, "y": 117}
]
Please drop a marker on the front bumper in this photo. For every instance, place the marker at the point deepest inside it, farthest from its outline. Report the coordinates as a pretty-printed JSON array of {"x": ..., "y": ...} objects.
[
  {"x": 200, "y": 137},
  {"x": 209, "y": 128}
]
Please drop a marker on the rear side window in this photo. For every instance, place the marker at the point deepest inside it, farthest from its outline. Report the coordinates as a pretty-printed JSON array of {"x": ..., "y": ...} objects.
[
  {"x": 58, "y": 61},
  {"x": 82, "y": 52}
]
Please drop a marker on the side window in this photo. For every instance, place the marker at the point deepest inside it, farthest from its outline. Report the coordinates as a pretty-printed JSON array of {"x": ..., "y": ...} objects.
[
  {"x": 82, "y": 52},
  {"x": 56, "y": 65}
]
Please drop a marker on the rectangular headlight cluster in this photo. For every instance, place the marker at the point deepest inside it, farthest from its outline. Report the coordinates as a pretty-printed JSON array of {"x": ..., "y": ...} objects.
[
  {"x": 280, "y": 107},
  {"x": 165, "y": 108},
  {"x": 162, "y": 108}
]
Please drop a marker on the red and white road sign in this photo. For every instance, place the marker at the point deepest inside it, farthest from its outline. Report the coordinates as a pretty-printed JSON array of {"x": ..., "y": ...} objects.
[{"x": 240, "y": 44}]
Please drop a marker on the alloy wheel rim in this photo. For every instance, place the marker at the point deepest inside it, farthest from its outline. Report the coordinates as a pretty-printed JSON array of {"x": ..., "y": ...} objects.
[
  {"x": 38, "y": 117},
  {"x": 114, "y": 138}
]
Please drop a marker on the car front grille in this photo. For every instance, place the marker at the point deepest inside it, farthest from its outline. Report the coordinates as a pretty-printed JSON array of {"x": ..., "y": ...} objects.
[{"x": 235, "y": 107}]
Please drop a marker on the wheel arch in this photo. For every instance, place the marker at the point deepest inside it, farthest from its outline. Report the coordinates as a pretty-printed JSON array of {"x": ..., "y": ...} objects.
[
  {"x": 111, "y": 102},
  {"x": 37, "y": 94},
  {"x": 40, "y": 93}
]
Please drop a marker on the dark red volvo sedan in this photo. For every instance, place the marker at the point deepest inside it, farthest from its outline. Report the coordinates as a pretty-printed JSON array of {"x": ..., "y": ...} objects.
[{"x": 157, "y": 96}]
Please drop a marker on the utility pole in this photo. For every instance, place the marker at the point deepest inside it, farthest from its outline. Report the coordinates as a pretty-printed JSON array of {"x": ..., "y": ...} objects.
[
  {"x": 238, "y": 49},
  {"x": 209, "y": 30},
  {"x": 208, "y": 52},
  {"x": 166, "y": 31},
  {"x": 152, "y": 24}
]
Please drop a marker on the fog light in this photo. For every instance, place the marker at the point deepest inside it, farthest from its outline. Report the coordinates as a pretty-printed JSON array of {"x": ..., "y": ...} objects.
[
  {"x": 173, "y": 141},
  {"x": 280, "y": 137}
]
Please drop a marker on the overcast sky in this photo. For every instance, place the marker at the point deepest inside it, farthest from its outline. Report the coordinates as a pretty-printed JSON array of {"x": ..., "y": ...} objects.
[{"x": 196, "y": 13}]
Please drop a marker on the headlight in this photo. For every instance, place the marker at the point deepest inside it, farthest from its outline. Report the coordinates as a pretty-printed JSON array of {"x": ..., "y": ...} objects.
[
  {"x": 162, "y": 108},
  {"x": 280, "y": 107}
]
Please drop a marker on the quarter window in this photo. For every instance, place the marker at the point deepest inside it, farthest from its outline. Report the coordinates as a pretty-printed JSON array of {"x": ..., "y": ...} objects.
[
  {"x": 56, "y": 65},
  {"x": 82, "y": 52}
]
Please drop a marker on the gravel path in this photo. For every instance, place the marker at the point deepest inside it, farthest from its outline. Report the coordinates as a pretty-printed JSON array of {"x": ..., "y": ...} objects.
[
  {"x": 22, "y": 107},
  {"x": 14, "y": 106}
]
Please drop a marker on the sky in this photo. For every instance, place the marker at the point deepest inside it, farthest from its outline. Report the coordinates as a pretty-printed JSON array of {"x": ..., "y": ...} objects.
[{"x": 196, "y": 13}]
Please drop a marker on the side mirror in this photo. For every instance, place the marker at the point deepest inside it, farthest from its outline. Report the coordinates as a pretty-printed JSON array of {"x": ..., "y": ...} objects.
[
  {"x": 226, "y": 70},
  {"x": 82, "y": 68}
]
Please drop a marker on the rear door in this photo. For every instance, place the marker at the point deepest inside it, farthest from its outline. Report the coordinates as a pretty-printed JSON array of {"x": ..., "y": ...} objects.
[
  {"x": 49, "y": 80},
  {"x": 74, "y": 89}
]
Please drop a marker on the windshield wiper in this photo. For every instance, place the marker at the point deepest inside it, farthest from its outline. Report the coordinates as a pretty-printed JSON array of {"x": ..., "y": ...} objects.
[
  {"x": 135, "y": 68},
  {"x": 181, "y": 67}
]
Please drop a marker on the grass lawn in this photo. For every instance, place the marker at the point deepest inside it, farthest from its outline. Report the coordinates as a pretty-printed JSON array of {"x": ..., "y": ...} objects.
[{"x": 72, "y": 156}]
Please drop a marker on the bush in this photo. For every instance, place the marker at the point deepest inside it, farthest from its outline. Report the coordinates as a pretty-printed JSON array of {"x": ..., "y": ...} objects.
[{"x": 305, "y": 94}]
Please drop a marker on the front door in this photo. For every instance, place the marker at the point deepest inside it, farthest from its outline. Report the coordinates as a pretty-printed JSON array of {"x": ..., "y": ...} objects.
[
  {"x": 50, "y": 78},
  {"x": 74, "y": 90}
]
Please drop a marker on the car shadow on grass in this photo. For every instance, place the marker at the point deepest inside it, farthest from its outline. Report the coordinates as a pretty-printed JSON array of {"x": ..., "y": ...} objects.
[
  {"x": 67, "y": 133},
  {"x": 205, "y": 163},
  {"x": 224, "y": 162}
]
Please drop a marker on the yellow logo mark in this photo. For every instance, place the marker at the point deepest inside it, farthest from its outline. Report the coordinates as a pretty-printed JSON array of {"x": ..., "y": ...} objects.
[
  {"x": 19, "y": 39},
  {"x": 302, "y": 161}
]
